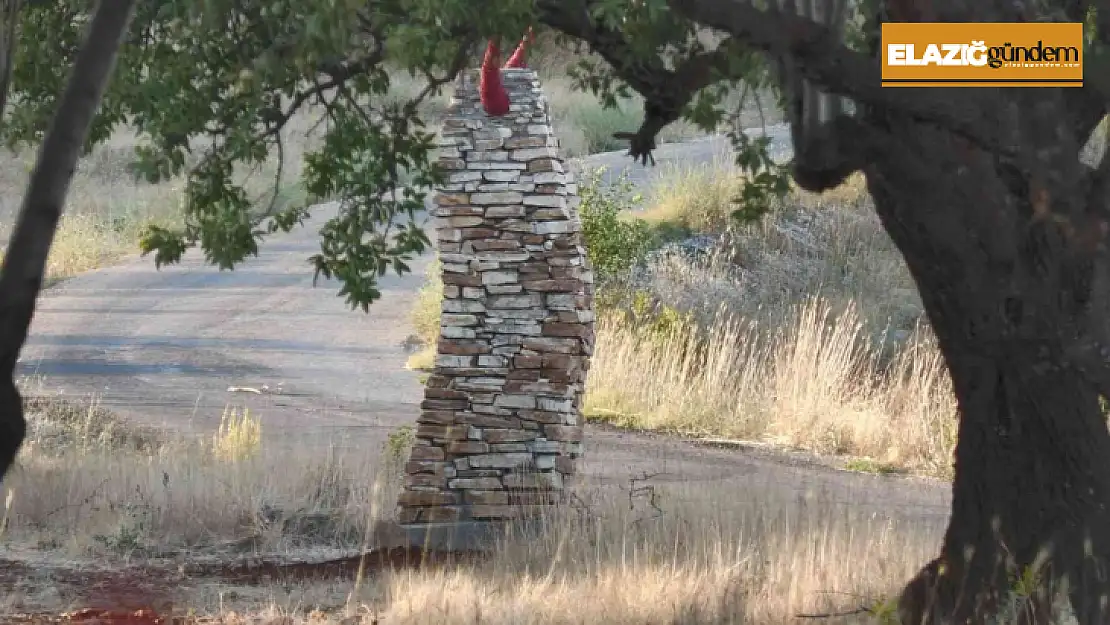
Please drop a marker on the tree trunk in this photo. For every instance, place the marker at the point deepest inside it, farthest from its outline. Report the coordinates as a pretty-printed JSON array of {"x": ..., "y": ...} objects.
[
  {"x": 1007, "y": 235},
  {"x": 24, "y": 267},
  {"x": 1008, "y": 292},
  {"x": 1031, "y": 483}
]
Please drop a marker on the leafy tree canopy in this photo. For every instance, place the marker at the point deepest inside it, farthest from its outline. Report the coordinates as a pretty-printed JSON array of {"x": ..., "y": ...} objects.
[{"x": 210, "y": 85}]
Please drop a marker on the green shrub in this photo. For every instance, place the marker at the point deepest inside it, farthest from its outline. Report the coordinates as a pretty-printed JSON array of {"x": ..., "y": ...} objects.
[
  {"x": 695, "y": 198},
  {"x": 425, "y": 318},
  {"x": 398, "y": 444},
  {"x": 614, "y": 245},
  {"x": 425, "y": 312},
  {"x": 598, "y": 124},
  {"x": 652, "y": 319}
]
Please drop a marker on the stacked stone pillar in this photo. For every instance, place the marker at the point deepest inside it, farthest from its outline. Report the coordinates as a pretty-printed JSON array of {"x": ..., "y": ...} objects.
[{"x": 501, "y": 423}]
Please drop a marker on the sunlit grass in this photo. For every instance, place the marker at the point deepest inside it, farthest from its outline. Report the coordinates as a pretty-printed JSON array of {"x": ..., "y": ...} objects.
[{"x": 690, "y": 553}]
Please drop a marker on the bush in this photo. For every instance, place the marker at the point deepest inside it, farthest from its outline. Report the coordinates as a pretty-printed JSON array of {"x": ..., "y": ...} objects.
[
  {"x": 614, "y": 245},
  {"x": 696, "y": 198},
  {"x": 425, "y": 313},
  {"x": 425, "y": 318},
  {"x": 649, "y": 318}
]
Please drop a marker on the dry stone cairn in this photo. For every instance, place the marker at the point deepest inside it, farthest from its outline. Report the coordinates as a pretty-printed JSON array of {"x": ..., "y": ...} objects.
[{"x": 501, "y": 422}]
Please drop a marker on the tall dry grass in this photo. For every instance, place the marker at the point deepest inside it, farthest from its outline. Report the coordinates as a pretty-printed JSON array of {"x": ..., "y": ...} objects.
[
  {"x": 830, "y": 245},
  {"x": 815, "y": 383},
  {"x": 87, "y": 484},
  {"x": 689, "y": 553},
  {"x": 694, "y": 197},
  {"x": 707, "y": 557},
  {"x": 425, "y": 318},
  {"x": 811, "y": 332},
  {"x": 107, "y": 208}
]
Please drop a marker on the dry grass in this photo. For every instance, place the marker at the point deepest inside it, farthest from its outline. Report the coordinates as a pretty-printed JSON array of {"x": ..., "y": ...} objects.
[
  {"x": 812, "y": 324},
  {"x": 810, "y": 332},
  {"x": 697, "y": 198},
  {"x": 830, "y": 245},
  {"x": 695, "y": 556},
  {"x": 425, "y": 318},
  {"x": 704, "y": 559},
  {"x": 238, "y": 437},
  {"x": 107, "y": 208},
  {"x": 83, "y": 489},
  {"x": 813, "y": 384}
]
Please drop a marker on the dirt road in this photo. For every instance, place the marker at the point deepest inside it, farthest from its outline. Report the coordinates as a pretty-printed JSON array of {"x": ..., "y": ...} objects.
[{"x": 164, "y": 347}]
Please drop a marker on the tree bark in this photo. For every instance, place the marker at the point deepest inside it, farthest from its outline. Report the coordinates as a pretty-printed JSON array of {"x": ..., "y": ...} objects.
[
  {"x": 1031, "y": 485},
  {"x": 24, "y": 267},
  {"x": 1008, "y": 289},
  {"x": 1005, "y": 232}
]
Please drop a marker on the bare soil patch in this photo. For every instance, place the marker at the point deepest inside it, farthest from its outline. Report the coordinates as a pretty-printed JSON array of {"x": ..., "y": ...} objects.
[{"x": 151, "y": 593}]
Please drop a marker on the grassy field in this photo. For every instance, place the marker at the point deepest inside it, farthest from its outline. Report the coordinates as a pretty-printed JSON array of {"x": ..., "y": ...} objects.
[
  {"x": 91, "y": 493},
  {"x": 105, "y": 210},
  {"x": 107, "y": 207}
]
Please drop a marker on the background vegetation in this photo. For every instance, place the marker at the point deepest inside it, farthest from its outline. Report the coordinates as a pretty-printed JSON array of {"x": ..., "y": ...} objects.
[{"x": 801, "y": 330}]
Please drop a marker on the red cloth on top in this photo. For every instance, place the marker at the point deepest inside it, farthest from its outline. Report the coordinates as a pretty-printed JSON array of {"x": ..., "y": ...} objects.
[
  {"x": 495, "y": 100},
  {"x": 518, "y": 59}
]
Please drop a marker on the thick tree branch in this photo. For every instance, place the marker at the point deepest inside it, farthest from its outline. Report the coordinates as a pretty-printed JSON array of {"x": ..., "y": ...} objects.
[
  {"x": 24, "y": 266},
  {"x": 1096, "y": 74},
  {"x": 834, "y": 151},
  {"x": 1091, "y": 360},
  {"x": 822, "y": 59},
  {"x": 666, "y": 92}
]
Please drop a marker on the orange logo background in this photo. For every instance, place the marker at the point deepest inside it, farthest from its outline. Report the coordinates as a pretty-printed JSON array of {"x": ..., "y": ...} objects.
[{"x": 1029, "y": 54}]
